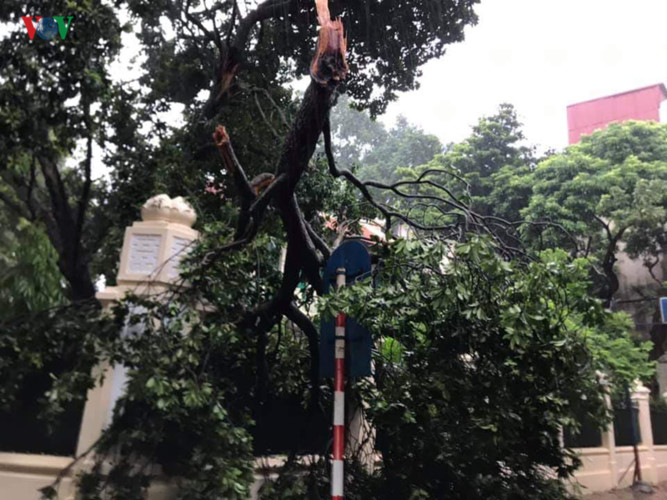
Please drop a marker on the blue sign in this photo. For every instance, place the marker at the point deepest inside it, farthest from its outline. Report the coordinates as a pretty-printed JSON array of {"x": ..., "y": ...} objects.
[
  {"x": 663, "y": 309},
  {"x": 354, "y": 257}
]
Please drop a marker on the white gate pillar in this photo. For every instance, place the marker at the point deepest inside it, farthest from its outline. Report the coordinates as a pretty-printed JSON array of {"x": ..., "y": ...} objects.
[
  {"x": 640, "y": 397},
  {"x": 152, "y": 250}
]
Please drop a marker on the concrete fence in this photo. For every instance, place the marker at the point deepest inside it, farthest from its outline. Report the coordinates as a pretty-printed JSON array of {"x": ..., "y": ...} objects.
[
  {"x": 609, "y": 466},
  {"x": 149, "y": 259}
]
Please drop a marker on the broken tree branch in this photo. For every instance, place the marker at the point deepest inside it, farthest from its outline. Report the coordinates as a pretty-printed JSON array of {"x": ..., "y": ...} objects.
[
  {"x": 328, "y": 69},
  {"x": 224, "y": 144},
  {"x": 329, "y": 64}
]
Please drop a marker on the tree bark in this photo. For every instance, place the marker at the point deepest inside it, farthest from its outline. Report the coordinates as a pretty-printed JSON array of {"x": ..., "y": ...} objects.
[{"x": 65, "y": 235}]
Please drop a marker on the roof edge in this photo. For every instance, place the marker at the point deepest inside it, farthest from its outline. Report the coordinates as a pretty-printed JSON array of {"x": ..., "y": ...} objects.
[{"x": 660, "y": 85}]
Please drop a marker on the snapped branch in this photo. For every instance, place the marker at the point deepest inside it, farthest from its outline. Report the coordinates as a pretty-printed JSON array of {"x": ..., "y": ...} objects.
[
  {"x": 231, "y": 163},
  {"x": 328, "y": 69}
]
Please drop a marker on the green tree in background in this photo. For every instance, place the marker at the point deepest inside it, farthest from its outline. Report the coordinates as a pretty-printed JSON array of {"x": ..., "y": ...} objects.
[
  {"x": 496, "y": 147},
  {"x": 376, "y": 151},
  {"x": 598, "y": 197},
  {"x": 405, "y": 145},
  {"x": 489, "y": 171},
  {"x": 609, "y": 193},
  {"x": 51, "y": 116},
  {"x": 354, "y": 133}
]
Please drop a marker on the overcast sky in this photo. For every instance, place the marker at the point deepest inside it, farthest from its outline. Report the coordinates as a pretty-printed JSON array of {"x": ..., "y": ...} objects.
[{"x": 540, "y": 56}]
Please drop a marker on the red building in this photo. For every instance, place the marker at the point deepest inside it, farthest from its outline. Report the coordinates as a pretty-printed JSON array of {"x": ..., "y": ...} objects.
[{"x": 641, "y": 104}]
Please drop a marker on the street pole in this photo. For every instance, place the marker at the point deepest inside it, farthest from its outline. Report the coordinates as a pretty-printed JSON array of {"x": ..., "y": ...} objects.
[{"x": 337, "y": 475}]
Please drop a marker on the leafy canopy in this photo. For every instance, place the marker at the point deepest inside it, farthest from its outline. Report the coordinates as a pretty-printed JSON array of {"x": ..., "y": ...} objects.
[{"x": 607, "y": 191}]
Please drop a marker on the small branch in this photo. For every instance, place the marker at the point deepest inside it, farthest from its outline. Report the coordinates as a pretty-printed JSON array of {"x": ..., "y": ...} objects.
[
  {"x": 605, "y": 226},
  {"x": 65, "y": 471},
  {"x": 211, "y": 36},
  {"x": 280, "y": 111},
  {"x": 224, "y": 144},
  {"x": 326, "y": 131},
  {"x": 232, "y": 22},
  {"x": 266, "y": 120},
  {"x": 211, "y": 257},
  {"x": 318, "y": 241},
  {"x": 311, "y": 263},
  {"x": 650, "y": 266}
]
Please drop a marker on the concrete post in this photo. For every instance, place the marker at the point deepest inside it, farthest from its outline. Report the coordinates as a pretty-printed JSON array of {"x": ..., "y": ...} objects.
[
  {"x": 640, "y": 397},
  {"x": 361, "y": 437},
  {"x": 609, "y": 442},
  {"x": 149, "y": 258}
]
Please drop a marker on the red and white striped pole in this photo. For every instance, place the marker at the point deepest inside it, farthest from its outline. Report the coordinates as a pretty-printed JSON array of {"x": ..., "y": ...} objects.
[{"x": 339, "y": 400}]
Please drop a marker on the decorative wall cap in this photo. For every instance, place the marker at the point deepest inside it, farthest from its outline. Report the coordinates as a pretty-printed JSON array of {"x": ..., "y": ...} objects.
[
  {"x": 164, "y": 208},
  {"x": 639, "y": 389}
]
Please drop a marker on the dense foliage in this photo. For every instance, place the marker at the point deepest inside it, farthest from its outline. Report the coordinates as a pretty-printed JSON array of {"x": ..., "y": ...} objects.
[
  {"x": 30, "y": 280},
  {"x": 479, "y": 363},
  {"x": 596, "y": 199},
  {"x": 187, "y": 411},
  {"x": 608, "y": 193}
]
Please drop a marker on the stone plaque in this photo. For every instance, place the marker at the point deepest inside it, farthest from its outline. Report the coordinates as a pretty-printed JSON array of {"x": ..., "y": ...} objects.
[
  {"x": 144, "y": 253},
  {"x": 179, "y": 249}
]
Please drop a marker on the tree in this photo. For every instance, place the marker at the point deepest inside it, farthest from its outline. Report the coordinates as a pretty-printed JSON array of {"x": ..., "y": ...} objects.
[
  {"x": 608, "y": 192},
  {"x": 406, "y": 145},
  {"x": 488, "y": 172},
  {"x": 354, "y": 133},
  {"x": 49, "y": 111},
  {"x": 497, "y": 142},
  {"x": 480, "y": 361},
  {"x": 476, "y": 362},
  {"x": 596, "y": 198},
  {"x": 377, "y": 152}
]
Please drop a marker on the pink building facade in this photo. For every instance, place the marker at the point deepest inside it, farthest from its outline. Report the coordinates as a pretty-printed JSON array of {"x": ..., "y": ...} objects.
[{"x": 640, "y": 104}]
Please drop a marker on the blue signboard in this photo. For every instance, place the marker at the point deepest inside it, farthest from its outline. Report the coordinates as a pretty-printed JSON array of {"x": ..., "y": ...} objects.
[
  {"x": 663, "y": 309},
  {"x": 354, "y": 257}
]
